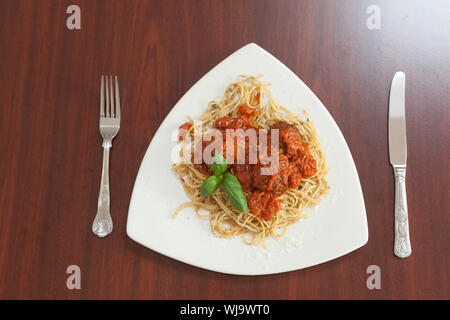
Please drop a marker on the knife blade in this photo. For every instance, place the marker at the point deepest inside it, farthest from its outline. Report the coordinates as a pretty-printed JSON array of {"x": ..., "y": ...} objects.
[
  {"x": 397, "y": 156},
  {"x": 397, "y": 123}
]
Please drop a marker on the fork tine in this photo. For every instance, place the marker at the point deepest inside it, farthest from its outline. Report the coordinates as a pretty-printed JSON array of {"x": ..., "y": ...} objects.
[
  {"x": 111, "y": 96},
  {"x": 107, "y": 96},
  {"x": 117, "y": 99},
  {"x": 102, "y": 100}
]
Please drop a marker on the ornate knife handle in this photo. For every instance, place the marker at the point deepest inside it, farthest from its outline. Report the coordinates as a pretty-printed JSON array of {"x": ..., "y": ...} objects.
[
  {"x": 402, "y": 245},
  {"x": 103, "y": 224}
]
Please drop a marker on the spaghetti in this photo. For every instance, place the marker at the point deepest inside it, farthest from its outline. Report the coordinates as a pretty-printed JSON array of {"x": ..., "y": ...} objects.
[{"x": 225, "y": 220}]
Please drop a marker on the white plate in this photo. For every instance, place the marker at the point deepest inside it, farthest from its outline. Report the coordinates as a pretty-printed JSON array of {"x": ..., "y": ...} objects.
[{"x": 335, "y": 227}]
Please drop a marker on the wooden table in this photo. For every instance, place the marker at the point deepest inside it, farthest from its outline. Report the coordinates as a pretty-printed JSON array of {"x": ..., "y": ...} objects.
[{"x": 51, "y": 157}]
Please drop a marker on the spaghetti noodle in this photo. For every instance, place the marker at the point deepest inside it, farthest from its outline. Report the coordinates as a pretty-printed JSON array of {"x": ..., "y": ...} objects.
[{"x": 225, "y": 220}]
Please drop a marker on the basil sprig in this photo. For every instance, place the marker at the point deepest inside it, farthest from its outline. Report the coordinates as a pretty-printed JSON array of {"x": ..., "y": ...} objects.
[
  {"x": 209, "y": 186},
  {"x": 234, "y": 191},
  {"x": 228, "y": 181},
  {"x": 219, "y": 164}
]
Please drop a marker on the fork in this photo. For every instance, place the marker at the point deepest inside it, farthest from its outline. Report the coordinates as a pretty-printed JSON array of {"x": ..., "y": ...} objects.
[{"x": 109, "y": 127}]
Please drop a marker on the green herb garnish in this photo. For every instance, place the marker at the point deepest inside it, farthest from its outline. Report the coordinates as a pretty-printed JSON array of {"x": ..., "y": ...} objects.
[
  {"x": 234, "y": 191},
  {"x": 209, "y": 186},
  {"x": 228, "y": 181},
  {"x": 219, "y": 164}
]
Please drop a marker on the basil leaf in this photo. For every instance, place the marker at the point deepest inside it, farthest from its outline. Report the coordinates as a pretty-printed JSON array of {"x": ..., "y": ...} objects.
[
  {"x": 234, "y": 191},
  {"x": 209, "y": 186},
  {"x": 219, "y": 164}
]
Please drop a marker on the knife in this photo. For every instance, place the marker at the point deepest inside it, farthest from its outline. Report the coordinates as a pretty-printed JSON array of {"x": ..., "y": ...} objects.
[{"x": 397, "y": 156}]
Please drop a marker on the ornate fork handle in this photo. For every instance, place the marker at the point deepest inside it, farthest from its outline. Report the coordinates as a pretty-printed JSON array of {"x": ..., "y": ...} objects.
[
  {"x": 402, "y": 246},
  {"x": 103, "y": 224}
]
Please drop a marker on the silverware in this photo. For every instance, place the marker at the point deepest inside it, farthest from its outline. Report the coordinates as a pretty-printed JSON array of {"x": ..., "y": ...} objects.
[
  {"x": 109, "y": 126},
  {"x": 397, "y": 156}
]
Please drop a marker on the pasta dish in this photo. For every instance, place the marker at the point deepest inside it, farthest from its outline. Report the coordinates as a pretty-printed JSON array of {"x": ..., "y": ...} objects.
[{"x": 252, "y": 165}]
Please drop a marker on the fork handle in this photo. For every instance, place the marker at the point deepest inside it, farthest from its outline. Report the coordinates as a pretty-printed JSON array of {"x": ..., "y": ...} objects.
[
  {"x": 103, "y": 224},
  {"x": 402, "y": 245}
]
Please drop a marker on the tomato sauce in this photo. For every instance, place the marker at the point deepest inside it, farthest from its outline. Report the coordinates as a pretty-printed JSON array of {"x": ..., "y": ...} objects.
[
  {"x": 295, "y": 163},
  {"x": 183, "y": 129}
]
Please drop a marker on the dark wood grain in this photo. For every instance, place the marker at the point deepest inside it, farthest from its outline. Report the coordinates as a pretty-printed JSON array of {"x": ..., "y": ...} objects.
[{"x": 51, "y": 157}]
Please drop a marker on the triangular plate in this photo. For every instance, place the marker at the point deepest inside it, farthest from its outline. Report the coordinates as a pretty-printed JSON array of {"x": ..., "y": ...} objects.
[{"x": 335, "y": 227}]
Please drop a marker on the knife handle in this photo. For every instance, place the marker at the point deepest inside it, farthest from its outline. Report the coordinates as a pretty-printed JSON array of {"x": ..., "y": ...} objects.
[{"x": 402, "y": 245}]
